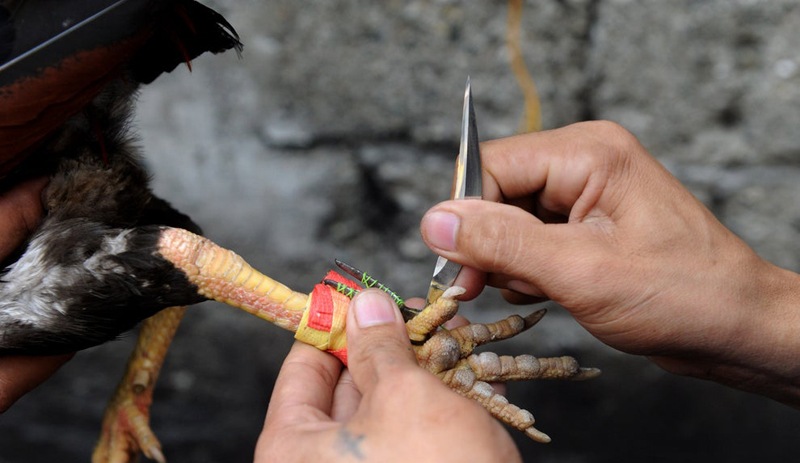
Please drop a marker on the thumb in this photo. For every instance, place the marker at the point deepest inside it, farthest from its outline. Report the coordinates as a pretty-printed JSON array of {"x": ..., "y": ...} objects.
[
  {"x": 498, "y": 238},
  {"x": 377, "y": 341}
]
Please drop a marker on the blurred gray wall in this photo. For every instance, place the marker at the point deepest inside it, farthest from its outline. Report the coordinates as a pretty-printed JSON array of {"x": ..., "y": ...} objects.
[{"x": 337, "y": 129}]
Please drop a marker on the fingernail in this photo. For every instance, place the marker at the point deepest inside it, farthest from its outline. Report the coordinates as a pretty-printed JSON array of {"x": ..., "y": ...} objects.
[
  {"x": 373, "y": 308},
  {"x": 441, "y": 228}
]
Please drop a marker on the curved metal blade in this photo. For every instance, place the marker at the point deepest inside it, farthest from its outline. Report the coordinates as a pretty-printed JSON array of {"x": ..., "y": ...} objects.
[{"x": 467, "y": 185}]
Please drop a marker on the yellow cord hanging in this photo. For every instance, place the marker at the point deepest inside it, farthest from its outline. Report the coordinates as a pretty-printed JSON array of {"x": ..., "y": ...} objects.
[{"x": 532, "y": 119}]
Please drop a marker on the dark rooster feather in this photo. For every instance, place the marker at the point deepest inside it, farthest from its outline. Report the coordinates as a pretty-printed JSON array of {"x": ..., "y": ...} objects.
[{"x": 68, "y": 77}]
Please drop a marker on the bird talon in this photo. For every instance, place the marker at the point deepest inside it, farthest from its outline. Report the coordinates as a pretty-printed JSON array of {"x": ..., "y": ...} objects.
[
  {"x": 125, "y": 433},
  {"x": 453, "y": 292},
  {"x": 126, "y": 430},
  {"x": 449, "y": 355},
  {"x": 155, "y": 453}
]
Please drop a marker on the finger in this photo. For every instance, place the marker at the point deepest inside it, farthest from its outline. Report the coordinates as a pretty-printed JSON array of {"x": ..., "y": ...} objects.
[
  {"x": 473, "y": 280},
  {"x": 455, "y": 322},
  {"x": 20, "y": 213},
  {"x": 564, "y": 166},
  {"x": 20, "y": 374},
  {"x": 346, "y": 398},
  {"x": 304, "y": 389},
  {"x": 496, "y": 280},
  {"x": 377, "y": 341},
  {"x": 512, "y": 243},
  {"x": 516, "y": 298},
  {"x": 417, "y": 303},
  {"x": 517, "y": 292}
]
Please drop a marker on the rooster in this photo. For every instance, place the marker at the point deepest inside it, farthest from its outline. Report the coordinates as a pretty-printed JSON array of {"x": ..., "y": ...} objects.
[
  {"x": 110, "y": 254},
  {"x": 69, "y": 74}
]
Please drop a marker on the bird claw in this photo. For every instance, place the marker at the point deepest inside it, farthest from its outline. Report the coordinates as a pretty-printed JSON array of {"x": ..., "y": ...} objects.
[
  {"x": 449, "y": 355},
  {"x": 126, "y": 429},
  {"x": 126, "y": 432}
]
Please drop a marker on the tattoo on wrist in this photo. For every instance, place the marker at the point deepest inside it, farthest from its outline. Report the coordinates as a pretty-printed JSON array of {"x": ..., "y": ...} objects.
[{"x": 350, "y": 444}]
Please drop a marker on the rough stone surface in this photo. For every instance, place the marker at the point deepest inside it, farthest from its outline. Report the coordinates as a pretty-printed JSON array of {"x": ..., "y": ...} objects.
[{"x": 336, "y": 130}]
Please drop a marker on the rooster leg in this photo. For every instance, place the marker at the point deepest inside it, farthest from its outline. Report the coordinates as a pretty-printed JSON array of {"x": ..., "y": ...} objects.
[
  {"x": 126, "y": 430},
  {"x": 318, "y": 319}
]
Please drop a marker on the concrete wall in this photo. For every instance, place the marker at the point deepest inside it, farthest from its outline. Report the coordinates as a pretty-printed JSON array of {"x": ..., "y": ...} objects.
[{"x": 337, "y": 129}]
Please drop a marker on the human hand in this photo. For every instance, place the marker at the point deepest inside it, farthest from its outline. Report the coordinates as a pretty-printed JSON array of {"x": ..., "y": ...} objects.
[
  {"x": 384, "y": 407},
  {"x": 586, "y": 217},
  {"x": 20, "y": 212}
]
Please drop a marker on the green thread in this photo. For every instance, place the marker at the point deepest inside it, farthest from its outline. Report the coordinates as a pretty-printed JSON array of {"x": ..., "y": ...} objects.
[
  {"x": 346, "y": 290},
  {"x": 341, "y": 288},
  {"x": 371, "y": 282}
]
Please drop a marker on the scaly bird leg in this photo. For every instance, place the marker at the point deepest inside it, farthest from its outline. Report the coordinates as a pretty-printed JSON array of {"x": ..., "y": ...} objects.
[
  {"x": 126, "y": 429},
  {"x": 219, "y": 274},
  {"x": 448, "y": 354},
  {"x": 222, "y": 275},
  {"x": 318, "y": 319}
]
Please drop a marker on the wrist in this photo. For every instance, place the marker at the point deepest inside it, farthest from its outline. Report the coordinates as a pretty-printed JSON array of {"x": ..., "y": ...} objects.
[
  {"x": 760, "y": 348},
  {"x": 773, "y": 339}
]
